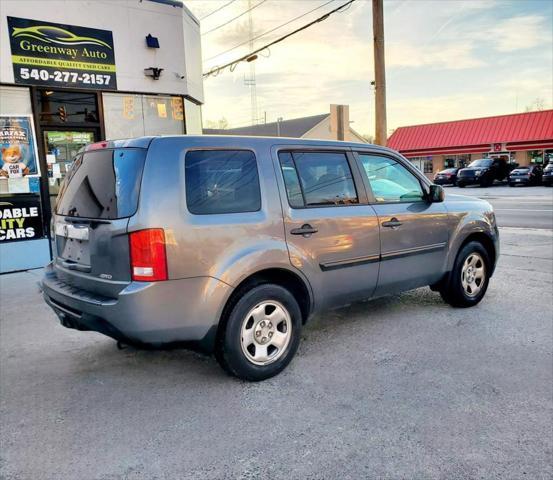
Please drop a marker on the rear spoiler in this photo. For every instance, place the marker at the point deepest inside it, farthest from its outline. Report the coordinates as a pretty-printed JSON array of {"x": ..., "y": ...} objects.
[{"x": 141, "y": 142}]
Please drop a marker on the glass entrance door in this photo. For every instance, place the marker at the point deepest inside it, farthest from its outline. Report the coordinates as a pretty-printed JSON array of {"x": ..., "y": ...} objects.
[{"x": 61, "y": 146}]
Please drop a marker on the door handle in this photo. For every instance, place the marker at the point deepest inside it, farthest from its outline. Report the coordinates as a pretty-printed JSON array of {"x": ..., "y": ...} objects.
[
  {"x": 392, "y": 223},
  {"x": 305, "y": 230}
]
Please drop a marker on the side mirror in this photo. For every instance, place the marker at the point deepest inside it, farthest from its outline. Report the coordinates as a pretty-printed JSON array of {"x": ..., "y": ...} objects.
[{"x": 436, "y": 194}]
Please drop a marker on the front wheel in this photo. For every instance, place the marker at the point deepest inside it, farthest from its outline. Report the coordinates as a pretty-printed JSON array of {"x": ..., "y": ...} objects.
[
  {"x": 262, "y": 333},
  {"x": 469, "y": 278}
]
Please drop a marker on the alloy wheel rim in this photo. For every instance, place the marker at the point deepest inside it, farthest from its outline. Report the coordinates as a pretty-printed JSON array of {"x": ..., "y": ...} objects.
[
  {"x": 266, "y": 332},
  {"x": 473, "y": 274}
]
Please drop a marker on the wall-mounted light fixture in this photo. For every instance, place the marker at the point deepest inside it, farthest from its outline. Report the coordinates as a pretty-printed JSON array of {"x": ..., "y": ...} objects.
[
  {"x": 151, "y": 41},
  {"x": 153, "y": 72}
]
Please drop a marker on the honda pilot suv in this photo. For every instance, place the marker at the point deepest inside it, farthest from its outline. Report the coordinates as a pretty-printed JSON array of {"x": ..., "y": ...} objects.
[{"x": 230, "y": 244}]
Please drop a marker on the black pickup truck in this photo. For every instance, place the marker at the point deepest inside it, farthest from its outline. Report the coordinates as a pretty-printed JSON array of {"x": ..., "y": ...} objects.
[{"x": 484, "y": 172}]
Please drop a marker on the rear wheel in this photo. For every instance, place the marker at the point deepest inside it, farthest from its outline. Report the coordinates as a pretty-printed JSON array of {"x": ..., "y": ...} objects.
[
  {"x": 469, "y": 278},
  {"x": 262, "y": 333}
]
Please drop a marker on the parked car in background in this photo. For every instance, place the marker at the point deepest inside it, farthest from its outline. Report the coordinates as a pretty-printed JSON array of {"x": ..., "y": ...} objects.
[
  {"x": 547, "y": 177},
  {"x": 483, "y": 172},
  {"x": 526, "y": 175},
  {"x": 446, "y": 177},
  {"x": 230, "y": 244}
]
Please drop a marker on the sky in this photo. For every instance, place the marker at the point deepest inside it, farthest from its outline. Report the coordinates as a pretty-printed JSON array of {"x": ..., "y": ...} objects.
[{"x": 445, "y": 59}]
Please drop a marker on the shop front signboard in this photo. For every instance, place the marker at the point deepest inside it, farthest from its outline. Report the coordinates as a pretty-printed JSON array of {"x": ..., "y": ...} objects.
[
  {"x": 56, "y": 55},
  {"x": 20, "y": 218}
]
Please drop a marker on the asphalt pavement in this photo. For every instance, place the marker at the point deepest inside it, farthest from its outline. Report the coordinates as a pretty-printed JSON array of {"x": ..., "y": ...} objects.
[
  {"x": 524, "y": 207},
  {"x": 404, "y": 387}
]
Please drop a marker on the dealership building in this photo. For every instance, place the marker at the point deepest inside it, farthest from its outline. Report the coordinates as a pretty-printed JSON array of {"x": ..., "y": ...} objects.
[
  {"x": 522, "y": 138},
  {"x": 75, "y": 72}
]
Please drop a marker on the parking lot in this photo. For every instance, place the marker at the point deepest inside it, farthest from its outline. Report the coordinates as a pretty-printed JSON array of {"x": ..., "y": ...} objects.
[{"x": 400, "y": 387}]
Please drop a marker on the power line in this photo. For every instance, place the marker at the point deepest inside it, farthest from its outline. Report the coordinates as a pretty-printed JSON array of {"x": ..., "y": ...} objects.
[
  {"x": 235, "y": 18},
  {"x": 232, "y": 65},
  {"x": 217, "y": 9},
  {"x": 270, "y": 31}
]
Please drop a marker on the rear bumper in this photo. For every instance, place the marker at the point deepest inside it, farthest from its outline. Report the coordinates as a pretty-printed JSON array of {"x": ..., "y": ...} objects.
[
  {"x": 444, "y": 181},
  {"x": 547, "y": 179},
  {"x": 468, "y": 180},
  {"x": 184, "y": 312},
  {"x": 519, "y": 180}
]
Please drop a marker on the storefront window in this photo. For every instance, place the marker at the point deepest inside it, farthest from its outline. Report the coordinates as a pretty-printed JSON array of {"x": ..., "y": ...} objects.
[
  {"x": 15, "y": 101},
  {"x": 193, "y": 115},
  {"x": 424, "y": 164},
  {"x": 57, "y": 107},
  {"x": 536, "y": 156},
  {"x": 458, "y": 161},
  {"x": 127, "y": 115}
]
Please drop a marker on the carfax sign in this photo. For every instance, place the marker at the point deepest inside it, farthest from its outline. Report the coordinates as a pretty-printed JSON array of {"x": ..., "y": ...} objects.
[{"x": 45, "y": 53}]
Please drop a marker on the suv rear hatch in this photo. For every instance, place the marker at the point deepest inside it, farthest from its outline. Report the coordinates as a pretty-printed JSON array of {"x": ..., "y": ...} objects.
[{"x": 92, "y": 212}]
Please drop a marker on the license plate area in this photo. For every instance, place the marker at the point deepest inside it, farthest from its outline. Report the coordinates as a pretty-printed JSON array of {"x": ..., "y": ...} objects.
[
  {"x": 72, "y": 243},
  {"x": 67, "y": 230}
]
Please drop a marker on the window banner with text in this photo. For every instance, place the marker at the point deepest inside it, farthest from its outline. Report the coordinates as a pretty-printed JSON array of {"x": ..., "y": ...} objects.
[{"x": 20, "y": 218}]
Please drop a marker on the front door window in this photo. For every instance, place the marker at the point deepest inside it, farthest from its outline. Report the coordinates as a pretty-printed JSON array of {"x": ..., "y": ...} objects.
[{"x": 61, "y": 147}]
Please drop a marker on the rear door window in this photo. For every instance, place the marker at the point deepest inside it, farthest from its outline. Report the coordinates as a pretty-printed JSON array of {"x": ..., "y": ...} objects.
[
  {"x": 317, "y": 179},
  {"x": 103, "y": 184},
  {"x": 221, "y": 181}
]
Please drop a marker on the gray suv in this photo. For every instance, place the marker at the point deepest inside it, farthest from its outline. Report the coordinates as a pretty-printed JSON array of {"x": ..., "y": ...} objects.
[{"x": 230, "y": 244}]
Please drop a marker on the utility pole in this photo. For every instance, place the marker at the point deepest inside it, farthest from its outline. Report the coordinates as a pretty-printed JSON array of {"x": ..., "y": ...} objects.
[
  {"x": 250, "y": 81},
  {"x": 379, "y": 74}
]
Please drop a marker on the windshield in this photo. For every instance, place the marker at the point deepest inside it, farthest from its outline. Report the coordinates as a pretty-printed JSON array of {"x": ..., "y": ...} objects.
[
  {"x": 103, "y": 184},
  {"x": 484, "y": 162}
]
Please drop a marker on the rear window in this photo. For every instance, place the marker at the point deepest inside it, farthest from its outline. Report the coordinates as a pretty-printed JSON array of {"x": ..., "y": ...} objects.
[
  {"x": 484, "y": 162},
  {"x": 103, "y": 184},
  {"x": 221, "y": 181}
]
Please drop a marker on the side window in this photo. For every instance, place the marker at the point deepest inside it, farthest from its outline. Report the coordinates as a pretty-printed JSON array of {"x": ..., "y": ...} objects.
[
  {"x": 221, "y": 181},
  {"x": 390, "y": 181},
  {"x": 317, "y": 179}
]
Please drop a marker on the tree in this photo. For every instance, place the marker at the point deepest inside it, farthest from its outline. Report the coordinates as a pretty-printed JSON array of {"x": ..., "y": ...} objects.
[
  {"x": 536, "y": 106},
  {"x": 367, "y": 137},
  {"x": 221, "y": 124}
]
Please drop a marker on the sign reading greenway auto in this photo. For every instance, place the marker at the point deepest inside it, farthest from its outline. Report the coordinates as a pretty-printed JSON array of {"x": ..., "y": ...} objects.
[{"x": 45, "y": 53}]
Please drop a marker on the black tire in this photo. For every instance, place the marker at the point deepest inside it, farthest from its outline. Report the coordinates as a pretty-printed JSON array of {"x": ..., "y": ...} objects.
[
  {"x": 511, "y": 184},
  {"x": 461, "y": 185},
  {"x": 452, "y": 290},
  {"x": 228, "y": 350},
  {"x": 486, "y": 182}
]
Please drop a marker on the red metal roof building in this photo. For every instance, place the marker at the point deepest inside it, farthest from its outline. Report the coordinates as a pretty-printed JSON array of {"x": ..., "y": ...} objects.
[{"x": 521, "y": 137}]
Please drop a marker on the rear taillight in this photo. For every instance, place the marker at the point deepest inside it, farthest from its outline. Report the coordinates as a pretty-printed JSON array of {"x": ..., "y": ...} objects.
[{"x": 148, "y": 256}]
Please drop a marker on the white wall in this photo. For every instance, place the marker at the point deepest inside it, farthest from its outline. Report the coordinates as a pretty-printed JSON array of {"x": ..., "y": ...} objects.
[
  {"x": 130, "y": 21},
  {"x": 323, "y": 131}
]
